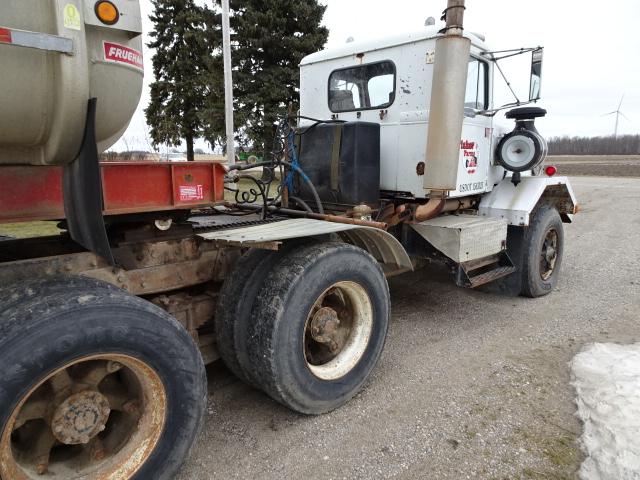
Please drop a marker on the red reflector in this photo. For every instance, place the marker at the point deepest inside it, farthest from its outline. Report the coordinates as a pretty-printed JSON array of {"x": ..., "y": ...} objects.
[
  {"x": 551, "y": 170},
  {"x": 5, "y": 35}
]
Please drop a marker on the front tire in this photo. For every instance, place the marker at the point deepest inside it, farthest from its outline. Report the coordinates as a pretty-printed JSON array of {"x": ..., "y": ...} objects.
[
  {"x": 95, "y": 383},
  {"x": 320, "y": 324},
  {"x": 542, "y": 255},
  {"x": 536, "y": 251}
]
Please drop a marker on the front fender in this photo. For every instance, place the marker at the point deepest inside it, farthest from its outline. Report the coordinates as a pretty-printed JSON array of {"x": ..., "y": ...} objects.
[{"x": 515, "y": 203}]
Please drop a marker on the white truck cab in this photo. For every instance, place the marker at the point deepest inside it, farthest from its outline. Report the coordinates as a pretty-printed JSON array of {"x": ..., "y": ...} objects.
[
  {"x": 412, "y": 91},
  {"x": 389, "y": 81}
]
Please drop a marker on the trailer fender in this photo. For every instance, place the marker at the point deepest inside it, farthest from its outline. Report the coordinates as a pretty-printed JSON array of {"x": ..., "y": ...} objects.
[
  {"x": 383, "y": 246},
  {"x": 515, "y": 203}
]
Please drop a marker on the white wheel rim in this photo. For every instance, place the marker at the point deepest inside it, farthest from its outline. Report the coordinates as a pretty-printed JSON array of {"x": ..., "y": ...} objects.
[{"x": 351, "y": 336}]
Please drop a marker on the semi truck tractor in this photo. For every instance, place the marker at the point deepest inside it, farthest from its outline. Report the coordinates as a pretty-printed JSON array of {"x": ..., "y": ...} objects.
[{"x": 393, "y": 161}]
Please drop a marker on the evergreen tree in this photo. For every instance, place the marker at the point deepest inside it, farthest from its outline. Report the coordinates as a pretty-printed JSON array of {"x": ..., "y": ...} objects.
[
  {"x": 178, "y": 93},
  {"x": 269, "y": 39}
]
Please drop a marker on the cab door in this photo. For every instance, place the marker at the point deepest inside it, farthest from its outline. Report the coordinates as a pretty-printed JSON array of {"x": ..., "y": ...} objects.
[{"x": 475, "y": 144}]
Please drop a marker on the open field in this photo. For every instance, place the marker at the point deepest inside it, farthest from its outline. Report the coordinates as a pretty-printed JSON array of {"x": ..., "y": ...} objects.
[
  {"x": 28, "y": 229},
  {"x": 471, "y": 385},
  {"x": 596, "y": 165}
]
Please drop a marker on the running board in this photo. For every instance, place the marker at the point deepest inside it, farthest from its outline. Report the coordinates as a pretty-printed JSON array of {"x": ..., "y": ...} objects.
[{"x": 484, "y": 270}]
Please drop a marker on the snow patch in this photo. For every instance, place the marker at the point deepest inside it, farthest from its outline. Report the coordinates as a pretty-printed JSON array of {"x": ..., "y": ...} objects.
[{"x": 607, "y": 381}]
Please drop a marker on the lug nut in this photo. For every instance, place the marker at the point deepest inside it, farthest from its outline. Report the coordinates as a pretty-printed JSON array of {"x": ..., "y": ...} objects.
[
  {"x": 113, "y": 367},
  {"x": 132, "y": 406}
]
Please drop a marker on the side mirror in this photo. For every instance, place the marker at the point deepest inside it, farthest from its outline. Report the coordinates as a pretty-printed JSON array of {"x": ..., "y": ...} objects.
[{"x": 536, "y": 74}]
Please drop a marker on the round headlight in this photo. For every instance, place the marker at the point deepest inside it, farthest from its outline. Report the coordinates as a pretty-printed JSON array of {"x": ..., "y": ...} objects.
[{"x": 521, "y": 150}]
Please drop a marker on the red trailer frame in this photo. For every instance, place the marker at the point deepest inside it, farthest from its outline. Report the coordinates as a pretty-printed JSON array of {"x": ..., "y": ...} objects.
[{"x": 29, "y": 193}]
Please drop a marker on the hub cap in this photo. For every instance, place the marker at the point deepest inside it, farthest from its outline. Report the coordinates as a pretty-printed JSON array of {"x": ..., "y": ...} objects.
[
  {"x": 80, "y": 418},
  {"x": 338, "y": 330}
]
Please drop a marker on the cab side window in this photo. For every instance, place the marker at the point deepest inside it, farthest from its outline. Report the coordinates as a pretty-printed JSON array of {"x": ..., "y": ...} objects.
[
  {"x": 362, "y": 87},
  {"x": 477, "y": 93}
]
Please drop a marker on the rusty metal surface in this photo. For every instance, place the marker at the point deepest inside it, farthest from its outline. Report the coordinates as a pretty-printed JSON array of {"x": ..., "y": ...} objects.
[
  {"x": 72, "y": 408},
  {"x": 324, "y": 328},
  {"x": 437, "y": 205},
  {"x": 145, "y": 267},
  {"x": 164, "y": 269},
  {"x": 453, "y": 15},
  {"x": 153, "y": 254},
  {"x": 490, "y": 276},
  {"x": 208, "y": 349},
  {"x": 192, "y": 311},
  {"x": 162, "y": 278},
  {"x": 337, "y": 330},
  {"x": 335, "y": 218},
  {"x": 429, "y": 210},
  {"x": 80, "y": 417}
]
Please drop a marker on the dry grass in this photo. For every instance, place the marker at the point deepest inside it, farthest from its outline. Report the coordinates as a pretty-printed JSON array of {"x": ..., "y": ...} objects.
[{"x": 29, "y": 229}]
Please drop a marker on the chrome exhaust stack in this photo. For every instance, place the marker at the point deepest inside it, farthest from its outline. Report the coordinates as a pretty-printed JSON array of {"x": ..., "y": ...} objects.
[{"x": 446, "y": 112}]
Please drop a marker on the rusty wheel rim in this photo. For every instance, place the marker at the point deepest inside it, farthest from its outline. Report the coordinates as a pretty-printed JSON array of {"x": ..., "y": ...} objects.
[
  {"x": 337, "y": 330},
  {"x": 100, "y": 416},
  {"x": 549, "y": 254}
]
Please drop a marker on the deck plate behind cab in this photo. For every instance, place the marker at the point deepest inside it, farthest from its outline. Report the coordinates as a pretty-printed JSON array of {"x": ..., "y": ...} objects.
[{"x": 383, "y": 246}]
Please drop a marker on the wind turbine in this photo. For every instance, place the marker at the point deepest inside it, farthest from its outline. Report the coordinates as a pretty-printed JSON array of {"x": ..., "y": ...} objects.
[{"x": 618, "y": 114}]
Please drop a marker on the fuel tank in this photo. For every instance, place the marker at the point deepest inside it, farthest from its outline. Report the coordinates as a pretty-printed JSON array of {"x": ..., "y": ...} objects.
[
  {"x": 55, "y": 55},
  {"x": 343, "y": 162}
]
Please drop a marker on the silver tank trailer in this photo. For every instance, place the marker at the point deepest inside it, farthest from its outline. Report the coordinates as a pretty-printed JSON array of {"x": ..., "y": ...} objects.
[{"x": 54, "y": 56}]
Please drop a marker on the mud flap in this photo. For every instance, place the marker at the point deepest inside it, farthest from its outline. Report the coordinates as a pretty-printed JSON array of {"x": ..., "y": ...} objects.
[{"x": 82, "y": 189}]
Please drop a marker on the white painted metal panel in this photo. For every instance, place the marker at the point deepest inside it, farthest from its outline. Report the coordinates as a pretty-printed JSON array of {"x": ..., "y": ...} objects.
[
  {"x": 515, "y": 203},
  {"x": 353, "y": 48},
  {"x": 403, "y": 127},
  {"x": 129, "y": 20}
]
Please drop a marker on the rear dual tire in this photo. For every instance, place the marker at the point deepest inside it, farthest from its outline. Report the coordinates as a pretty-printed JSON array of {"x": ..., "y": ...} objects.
[
  {"x": 53, "y": 333},
  {"x": 316, "y": 328}
]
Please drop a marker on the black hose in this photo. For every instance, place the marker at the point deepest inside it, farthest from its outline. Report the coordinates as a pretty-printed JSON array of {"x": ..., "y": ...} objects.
[
  {"x": 308, "y": 181},
  {"x": 301, "y": 202}
]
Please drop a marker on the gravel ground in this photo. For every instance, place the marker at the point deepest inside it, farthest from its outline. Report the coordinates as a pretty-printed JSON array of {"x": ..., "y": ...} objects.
[{"x": 471, "y": 385}]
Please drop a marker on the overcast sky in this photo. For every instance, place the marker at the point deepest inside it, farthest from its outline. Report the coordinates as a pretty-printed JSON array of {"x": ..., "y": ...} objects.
[{"x": 592, "y": 52}]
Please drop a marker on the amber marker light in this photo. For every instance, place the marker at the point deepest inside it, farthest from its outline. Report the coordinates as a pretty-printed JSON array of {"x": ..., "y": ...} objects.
[{"x": 107, "y": 12}]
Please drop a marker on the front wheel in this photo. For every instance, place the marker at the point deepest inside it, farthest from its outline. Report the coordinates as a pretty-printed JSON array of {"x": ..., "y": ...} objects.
[
  {"x": 319, "y": 326},
  {"x": 542, "y": 252},
  {"x": 96, "y": 384}
]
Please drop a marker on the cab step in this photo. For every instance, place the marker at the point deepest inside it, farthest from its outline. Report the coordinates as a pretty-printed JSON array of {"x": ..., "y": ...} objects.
[{"x": 474, "y": 273}]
